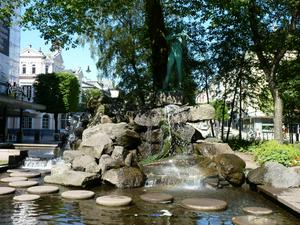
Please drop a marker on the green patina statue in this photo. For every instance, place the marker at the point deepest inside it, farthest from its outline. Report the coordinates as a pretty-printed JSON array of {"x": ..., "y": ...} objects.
[{"x": 177, "y": 43}]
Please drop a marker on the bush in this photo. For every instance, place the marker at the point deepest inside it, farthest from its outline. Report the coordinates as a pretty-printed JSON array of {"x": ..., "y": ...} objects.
[
  {"x": 286, "y": 154},
  {"x": 242, "y": 145}
]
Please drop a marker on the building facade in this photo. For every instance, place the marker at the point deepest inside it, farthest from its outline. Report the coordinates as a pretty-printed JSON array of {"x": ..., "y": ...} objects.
[{"x": 33, "y": 62}]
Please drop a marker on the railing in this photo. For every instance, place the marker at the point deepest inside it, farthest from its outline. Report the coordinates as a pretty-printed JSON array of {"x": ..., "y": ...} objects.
[{"x": 15, "y": 91}]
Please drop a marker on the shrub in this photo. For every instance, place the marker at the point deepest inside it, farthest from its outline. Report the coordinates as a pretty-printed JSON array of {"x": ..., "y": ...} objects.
[
  {"x": 286, "y": 154},
  {"x": 242, "y": 145}
]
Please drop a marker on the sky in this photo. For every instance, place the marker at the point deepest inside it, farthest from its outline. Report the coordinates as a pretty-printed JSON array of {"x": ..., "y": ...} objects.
[{"x": 73, "y": 58}]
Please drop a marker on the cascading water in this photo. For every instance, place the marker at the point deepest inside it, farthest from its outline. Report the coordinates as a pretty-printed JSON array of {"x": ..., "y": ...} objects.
[
  {"x": 41, "y": 160},
  {"x": 180, "y": 169}
]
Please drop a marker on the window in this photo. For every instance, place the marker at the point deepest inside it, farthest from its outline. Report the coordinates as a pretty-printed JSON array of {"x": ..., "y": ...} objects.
[
  {"x": 27, "y": 122},
  {"x": 46, "y": 69},
  {"x": 23, "y": 69},
  {"x": 45, "y": 122},
  {"x": 33, "y": 69},
  {"x": 63, "y": 121}
]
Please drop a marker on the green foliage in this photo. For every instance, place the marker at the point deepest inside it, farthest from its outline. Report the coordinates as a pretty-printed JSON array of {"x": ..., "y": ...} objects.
[
  {"x": 221, "y": 110},
  {"x": 58, "y": 91},
  {"x": 286, "y": 154},
  {"x": 242, "y": 145}
]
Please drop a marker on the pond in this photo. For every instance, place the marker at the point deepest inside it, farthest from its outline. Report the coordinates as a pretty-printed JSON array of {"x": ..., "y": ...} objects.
[{"x": 52, "y": 209}]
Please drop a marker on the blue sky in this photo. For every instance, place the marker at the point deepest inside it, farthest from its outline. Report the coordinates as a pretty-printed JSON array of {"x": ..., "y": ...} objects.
[{"x": 73, "y": 58}]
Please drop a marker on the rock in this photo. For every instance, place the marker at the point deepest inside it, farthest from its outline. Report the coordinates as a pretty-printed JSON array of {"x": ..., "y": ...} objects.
[
  {"x": 157, "y": 198},
  {"x": 23, "y": 184},
  {"x": 185, "y": 132},
  {"x": 152, "y": 136},
  {"x": 275, "y": 175},
  {"x": 6, "y": 190},
  {"x": 94, "y": 144},
  {"x": 26, "y": 197},
  {"x": 93, "y": 168},
  {"x": 129, "y": 139},
  {"x": 231, "y": 168},
  {"x": 258, "y": 210},
  {"x": 146, "y": 149},
  {"x": 45, "y": 189},
  {"x": 118, "y": 153},
  {"x": 253, "y": 220},
  {"x": 125, "y": 177},
  {"x": 80, "y": 163},
  {"x": 25, "y": 174},
  {"x": 204, "y": 204},
  {"x": 70, "y": 155},
  {"x": 105, "y": 119},
  {"x": 201, "y": 112},
  {"x": 106, "y": 162},
  {"x": 12, "y": 179},
  {"x": 78, "y": 194},
  {"x": 131, "y": 159},
  {"x": 114, "y": 200},
  {"x": 151, "y": 118},
  {"x": 209, "y": 149},
  {"x": 62, "y": 174}
]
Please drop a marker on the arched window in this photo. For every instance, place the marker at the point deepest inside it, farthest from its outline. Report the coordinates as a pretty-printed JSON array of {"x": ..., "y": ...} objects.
[
  {"x": 24, "y": 69},
  {"x": 33, "y": 69},
  {"x": 45, "y": 122}
]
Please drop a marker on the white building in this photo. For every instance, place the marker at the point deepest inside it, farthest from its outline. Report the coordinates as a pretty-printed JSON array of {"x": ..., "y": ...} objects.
[{"x": 34, "y": 62}]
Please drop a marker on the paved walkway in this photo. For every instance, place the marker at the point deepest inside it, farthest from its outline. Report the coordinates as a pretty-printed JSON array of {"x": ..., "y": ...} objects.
[{"x": 290, "y": 197}]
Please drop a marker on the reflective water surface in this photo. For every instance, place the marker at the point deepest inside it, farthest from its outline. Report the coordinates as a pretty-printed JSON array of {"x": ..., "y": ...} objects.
[{"x": 52, "y": 209}]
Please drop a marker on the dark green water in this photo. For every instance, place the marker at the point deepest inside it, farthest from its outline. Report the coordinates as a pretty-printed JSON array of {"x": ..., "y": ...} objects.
[{"x": 52, "y": 209}]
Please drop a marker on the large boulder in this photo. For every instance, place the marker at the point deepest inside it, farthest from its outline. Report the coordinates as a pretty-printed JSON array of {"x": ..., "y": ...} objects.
[
  {"x": 152, "y": 136},
  {"x": 201, "y": 112},
  {"x": 105, "y": 134},
  {"x": 151, "y": 118},
  {"x": 231, "y": 168},
  {"x": 119, "y": 153},
  {"x": 70, "y": 155},
  {"x": 85, "y": 163},
  {"x": 94, "y": 143},
  {"x": 274, "y": 174},
  {"x": 185, "y": 132},
  {"x": 106, "y": 162},
  {"x": 125, "y": 177},
  {"x": 62, "y": 174},
  {"x": 211, "y": 149}
]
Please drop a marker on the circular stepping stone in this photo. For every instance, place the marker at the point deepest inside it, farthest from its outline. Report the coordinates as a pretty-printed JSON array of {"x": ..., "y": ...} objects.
[
  {"x": 252, "y": 220},
  {"x": 257, "y": 210},
  {"x": 25, "y": 174},
  {"x": 204, "y": 204},
  {"x": 157, "y": 198},
  {"x": 114, "y": 200},
  {"x": 12, "y": 179},
  {"x": 16, "y": 170},
  {"x": 45, "y": 189},
  {"x": 23, "y": 184},
  {"x": 26, "y": 197},
  {"x": 78, "y": 194},
  {"x": 6, "y": 190}
]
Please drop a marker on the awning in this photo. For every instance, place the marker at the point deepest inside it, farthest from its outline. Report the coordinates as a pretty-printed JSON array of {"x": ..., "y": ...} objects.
[{"x": 14, "y": 103}]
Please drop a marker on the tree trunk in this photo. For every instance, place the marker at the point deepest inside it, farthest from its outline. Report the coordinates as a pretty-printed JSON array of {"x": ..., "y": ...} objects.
[
  {"x": 240, "y": 112},
  {"x": 231, "y": 113},
  {"x": 207, "y": 97},
  {"x": 278, "y": 115},
  {"x": 156, "y": 31}
]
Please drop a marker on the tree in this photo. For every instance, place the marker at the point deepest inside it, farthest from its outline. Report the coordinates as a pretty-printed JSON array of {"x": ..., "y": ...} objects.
[
  {"x": 58, "y": 91},
  {"x": 269, "y": 28}
]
